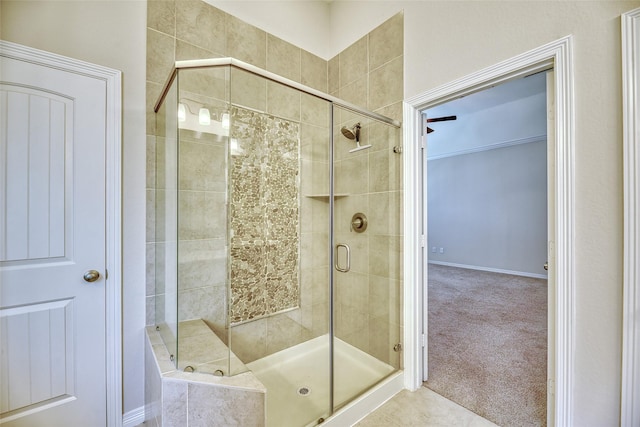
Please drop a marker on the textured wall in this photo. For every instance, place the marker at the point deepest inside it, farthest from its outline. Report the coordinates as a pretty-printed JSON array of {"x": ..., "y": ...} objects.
[{"x": 264, "y": 215}]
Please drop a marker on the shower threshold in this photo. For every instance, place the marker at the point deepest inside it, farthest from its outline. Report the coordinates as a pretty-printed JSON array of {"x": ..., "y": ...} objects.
[{"x": 297, "y": 380}]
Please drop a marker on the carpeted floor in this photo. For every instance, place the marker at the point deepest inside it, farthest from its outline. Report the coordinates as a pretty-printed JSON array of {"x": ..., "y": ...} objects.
[{"x": 488, "y": 343}]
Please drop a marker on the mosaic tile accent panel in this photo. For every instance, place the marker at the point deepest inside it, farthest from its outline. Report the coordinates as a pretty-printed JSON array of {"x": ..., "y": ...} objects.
[{"x": 264, "y": 226}]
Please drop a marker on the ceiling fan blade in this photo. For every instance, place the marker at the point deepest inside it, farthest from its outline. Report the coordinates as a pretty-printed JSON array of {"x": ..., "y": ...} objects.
[{"x": 442, "y": 119}]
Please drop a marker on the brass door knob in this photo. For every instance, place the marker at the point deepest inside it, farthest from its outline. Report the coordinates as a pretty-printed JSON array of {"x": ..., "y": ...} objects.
[{"x": 91, "y": 276}]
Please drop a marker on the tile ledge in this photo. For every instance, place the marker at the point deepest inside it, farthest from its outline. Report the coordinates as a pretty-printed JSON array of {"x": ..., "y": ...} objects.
[{"x": 244, "y": 381}]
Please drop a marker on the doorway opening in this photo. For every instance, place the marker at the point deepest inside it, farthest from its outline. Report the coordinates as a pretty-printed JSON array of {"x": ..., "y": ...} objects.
[
  {"x": 556, "y": 55},
  {"x": 486, "y": 219}
]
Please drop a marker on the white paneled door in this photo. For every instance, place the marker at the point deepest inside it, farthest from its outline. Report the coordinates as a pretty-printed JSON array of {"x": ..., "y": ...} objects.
[{"x": 52, "y": 247}]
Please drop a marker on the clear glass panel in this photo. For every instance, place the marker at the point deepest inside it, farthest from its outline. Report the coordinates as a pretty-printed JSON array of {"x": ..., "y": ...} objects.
[
  {"x": 278, "y": 240},
  {"x": 202, "y": 251},
  {"x": 166, "y": 217},
  {"x": 250, "y": 234},
  {"x": 367, "y": 244}
]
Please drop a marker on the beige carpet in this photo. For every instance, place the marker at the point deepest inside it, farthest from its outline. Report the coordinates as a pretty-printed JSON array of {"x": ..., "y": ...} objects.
[{"x": 488, "y": 343}]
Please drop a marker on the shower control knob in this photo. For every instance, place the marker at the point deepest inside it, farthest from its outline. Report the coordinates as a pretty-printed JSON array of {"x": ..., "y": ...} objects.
[{"x": 359, "y": 222}]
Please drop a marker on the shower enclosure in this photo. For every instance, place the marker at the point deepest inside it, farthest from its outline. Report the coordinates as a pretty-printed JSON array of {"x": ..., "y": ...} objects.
[{"x": 278, "y": 237}]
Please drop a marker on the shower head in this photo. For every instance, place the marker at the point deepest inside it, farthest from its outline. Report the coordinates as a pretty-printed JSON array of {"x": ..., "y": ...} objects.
[{"x": 353, "y": 133}]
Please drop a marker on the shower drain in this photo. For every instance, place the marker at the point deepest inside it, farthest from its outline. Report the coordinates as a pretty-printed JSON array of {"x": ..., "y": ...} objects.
[{"x": 304, "y": 391}]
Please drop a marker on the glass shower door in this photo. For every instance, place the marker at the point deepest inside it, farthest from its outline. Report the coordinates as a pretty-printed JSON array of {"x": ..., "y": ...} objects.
[
  {"x": 278, "y": 233},
  {"x": 367, "y": 251}
]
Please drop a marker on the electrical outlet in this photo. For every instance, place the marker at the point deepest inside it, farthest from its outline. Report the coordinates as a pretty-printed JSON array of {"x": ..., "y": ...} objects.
[
  {"x": 441, "y": 250},
  {"x": 434, "y": 249}
]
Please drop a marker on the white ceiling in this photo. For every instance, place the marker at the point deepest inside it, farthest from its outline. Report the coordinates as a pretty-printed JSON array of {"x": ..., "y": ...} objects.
[
  {"x": 511, "y": 112},
  {"x": 488, "y": 98}
]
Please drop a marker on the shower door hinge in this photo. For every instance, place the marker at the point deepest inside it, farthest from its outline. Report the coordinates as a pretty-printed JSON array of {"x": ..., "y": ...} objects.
[{"x": 422, "y": 241}]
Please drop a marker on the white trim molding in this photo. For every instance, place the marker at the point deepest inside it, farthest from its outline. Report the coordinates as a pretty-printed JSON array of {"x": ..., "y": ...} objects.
[
  {"x": 414, "y": 243},
  {"x": 488, "y": 147},
  {"x": 134, "y": 418},
  {"x": 630, "y": 404},
  {"x": 113, "y": 229},
  {"x": 556, "y": 55}
]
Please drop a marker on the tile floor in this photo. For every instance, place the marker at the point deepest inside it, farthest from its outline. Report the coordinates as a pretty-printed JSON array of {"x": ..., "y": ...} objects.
[{"x": 422, "y": 408}]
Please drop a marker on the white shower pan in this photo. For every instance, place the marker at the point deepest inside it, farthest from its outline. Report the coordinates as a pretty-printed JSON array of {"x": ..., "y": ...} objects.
[{"x": 297, "y": 382}]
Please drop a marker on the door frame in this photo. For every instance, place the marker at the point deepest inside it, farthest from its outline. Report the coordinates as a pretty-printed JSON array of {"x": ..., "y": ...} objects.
[
  {"x": 113, "y": 194},
  {"x": 556, "y": 55},
  {"x": 630, "y": 404}
]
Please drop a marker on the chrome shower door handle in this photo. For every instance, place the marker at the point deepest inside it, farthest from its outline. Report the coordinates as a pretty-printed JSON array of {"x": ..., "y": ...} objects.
[{"x": 348, "y": 253}]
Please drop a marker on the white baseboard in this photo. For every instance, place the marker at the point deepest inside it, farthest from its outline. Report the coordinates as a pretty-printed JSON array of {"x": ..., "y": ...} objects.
[
  {"x": 133, "y": 418},
  {"x": 493, "y": 270}
]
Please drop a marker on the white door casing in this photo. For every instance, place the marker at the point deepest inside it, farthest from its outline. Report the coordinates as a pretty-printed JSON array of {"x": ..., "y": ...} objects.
[
  {"x": 556, "y": 55},
  {"x": 630, "y": 405},
  {"x": 424, "y": 251},
  {"x": 551, "y": 233},
  {"x": 60, "y": 352}
]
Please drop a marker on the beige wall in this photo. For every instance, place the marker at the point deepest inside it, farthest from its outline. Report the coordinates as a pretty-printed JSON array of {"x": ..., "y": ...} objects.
[
  {"x": 447, "y": 40},
  {"x": 303, "y": 23},
  {"x": 108, "y": 33}
]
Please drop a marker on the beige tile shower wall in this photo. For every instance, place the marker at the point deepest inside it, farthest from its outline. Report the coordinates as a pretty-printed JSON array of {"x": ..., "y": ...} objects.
[
  {"x": 267, "y": 335},
  {"x": 368, "y": 305},
  {"x": 202, "y": 229},
  {"x": 315, "y": 217},
  {"x": 179, "y": 30}
]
